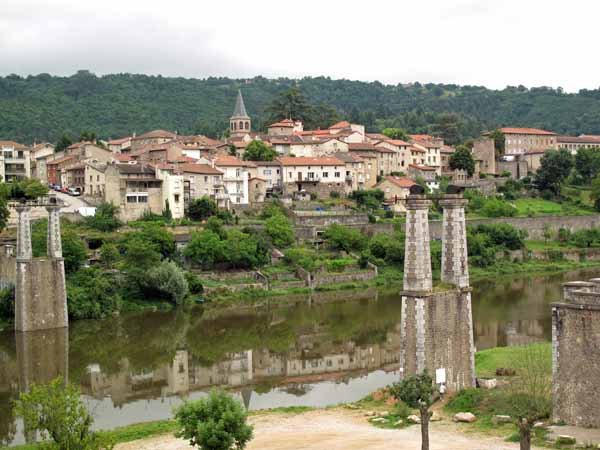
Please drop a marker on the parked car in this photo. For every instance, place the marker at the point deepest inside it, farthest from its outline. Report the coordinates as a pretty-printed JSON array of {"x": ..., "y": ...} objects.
[
  {"x": 57, "y": 187},
  {"x": 64, "y": 190},
  {"x": 74, "y": 192}
]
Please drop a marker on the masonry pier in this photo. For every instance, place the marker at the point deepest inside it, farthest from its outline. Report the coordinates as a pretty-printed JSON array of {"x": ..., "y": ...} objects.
[{"x": 437, "y": 327}]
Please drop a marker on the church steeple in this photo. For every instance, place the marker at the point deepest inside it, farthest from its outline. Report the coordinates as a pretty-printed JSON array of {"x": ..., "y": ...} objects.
[{"x": 239, "y": 123}]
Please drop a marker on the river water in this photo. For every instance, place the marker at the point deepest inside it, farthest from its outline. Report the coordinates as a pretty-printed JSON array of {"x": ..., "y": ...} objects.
[{"x": 318, "y": 351}]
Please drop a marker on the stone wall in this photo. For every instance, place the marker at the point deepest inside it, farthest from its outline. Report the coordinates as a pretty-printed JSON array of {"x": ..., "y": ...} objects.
[
  {"x": 326, "y": 218},
  {"x": 576, "y": 356},
  {"x": 436, "y": 333},
  {"x": 325, "y": 278},
  {"x": 40, "y": 292},
  {"x": 8, "y": 269}
]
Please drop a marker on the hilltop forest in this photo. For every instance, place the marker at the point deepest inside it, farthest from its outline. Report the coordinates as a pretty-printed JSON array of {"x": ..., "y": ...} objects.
[{"x": 44, "y": 107}]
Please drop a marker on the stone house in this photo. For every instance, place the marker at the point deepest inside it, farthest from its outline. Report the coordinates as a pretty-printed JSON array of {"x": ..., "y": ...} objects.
[
  {"x": 94, "y": 179},
  {"x": 119, "y": 145},
  {"x": 38, "y": 156},
  {"x": 286, "y": 127},
  {"x": 400, "y": 159},
  {"x": 73, "y": 176},
  {"x": 432, "y": 146},
  {"x": 134, "y": 188},
  {"x": 270, "y": 171},
  {"x": 533, "y": 158},
  {"x": 574, "y": 143},
  {"x": 329, "y": 146},
  {"x": 15, "y": 162},
  {"x": 197, "y": 146},
  {"x": 200, "y": 180},
  {"x": 257, "y": 190},
  {"x": 236, "y": 174},
  {"x": 89, "y": 150},
  {"x": 445, "y": 153},
  {"x": 358, "y": 175},
  {"x": 519, "y": 141},
  {"x": 56, "y": 166},
  {"x": 319, "y": 176},
  {"x": 428, "y": 174},
  {"x": 155, "y": 137},
  {"x": 417, "y": 156},
  {"x": 395, "y": 190},
  {"x": 484, "y": 153}
]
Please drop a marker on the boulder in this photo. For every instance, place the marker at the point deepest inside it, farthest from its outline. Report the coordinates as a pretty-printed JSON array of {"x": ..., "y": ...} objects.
[
  {"x": 490, "y": 383},
  {"x": 399, "y": 422},
  {"x": 370, "y": 413},
  {"x": 378, "y": 420},
  {"x": 539, "y": 425},
  {"x": 414, "y": 418},
  {"x": 565, "y": 439},
  {"x": 501, "y": 419},
  {"x": 505, "y": 372},
  {"x": 384, "y": 414},
  {"x": 435, "y": 417},
  {"x": 466, "y": 417}
]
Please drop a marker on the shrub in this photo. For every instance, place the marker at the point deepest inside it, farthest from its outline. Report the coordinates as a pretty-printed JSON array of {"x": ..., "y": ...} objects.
[
  {"x": 217, "y": 422},
  {"x": 467, "y": 400},
  {"x": 334, "y": 194},
  {"x": 7, "y": 303},
  {"x": 337, "y": 265},
  {"x": 280, "y": 230},
  {"x": 494, "y": 207},
  {"x": 202, "y": 208},
  {"x": 303, "y": 257},
  {"x": 389, "y": 214},
  {"x": 105, "y": 219},
  {"x": 92, "y": 294},
  {"x": 109, "y": 255},
  {"x": 369, "y": 198},
  {"x": 205, "y": 249},
  {"x": 194, "y": 284},
  {"x": 341, "y": 237},
  {"x": 167, "y": 280},
  {"x": 57, "y": 412}
]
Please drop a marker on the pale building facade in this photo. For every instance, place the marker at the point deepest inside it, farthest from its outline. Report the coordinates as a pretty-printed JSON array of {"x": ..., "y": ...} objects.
[
  {"x": 235, "y": 178},
  {"x": 15, "y": 162},
  {"x": 519, "y": 141}
]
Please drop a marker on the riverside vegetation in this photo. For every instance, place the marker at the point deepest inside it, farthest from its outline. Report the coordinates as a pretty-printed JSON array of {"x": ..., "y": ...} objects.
[{"x": 138, "y": 266}]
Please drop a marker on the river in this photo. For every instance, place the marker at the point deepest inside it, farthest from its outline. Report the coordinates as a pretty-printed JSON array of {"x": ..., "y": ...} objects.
[{"x": 316, "y": 352}]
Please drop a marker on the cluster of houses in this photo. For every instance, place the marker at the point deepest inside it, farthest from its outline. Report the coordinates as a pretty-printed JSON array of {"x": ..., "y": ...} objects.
[{"x": 161, "y": 168}]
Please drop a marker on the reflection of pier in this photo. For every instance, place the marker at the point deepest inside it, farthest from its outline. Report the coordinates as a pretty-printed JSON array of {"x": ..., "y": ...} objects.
[{"x": 42, "y": 356}]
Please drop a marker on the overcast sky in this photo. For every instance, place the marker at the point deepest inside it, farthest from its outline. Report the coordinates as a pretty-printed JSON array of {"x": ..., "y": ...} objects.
[{"x": 484, "y": 42}]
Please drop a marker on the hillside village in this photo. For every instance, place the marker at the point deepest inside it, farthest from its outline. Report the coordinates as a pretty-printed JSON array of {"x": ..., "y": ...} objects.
[{"x": 160, "y": 169}]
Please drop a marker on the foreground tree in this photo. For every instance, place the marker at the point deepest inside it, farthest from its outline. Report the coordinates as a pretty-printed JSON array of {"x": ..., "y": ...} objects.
[
  {"x": 57, "y": 413},
  {"x": 280, "y": 230},
  {"x": 202, "y": 208},
  {"x": 555, "y": 167},
  {"x": 217, "y": 422},
  {"x": 259, "y": 151},
  {"x": 587, "y": 163},
  {"x": 418, "y": 392},
  {"x": 462, "y": 159}
]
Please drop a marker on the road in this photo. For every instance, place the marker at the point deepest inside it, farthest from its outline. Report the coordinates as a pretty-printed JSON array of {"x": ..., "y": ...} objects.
[{"x": 71, "y": 203}]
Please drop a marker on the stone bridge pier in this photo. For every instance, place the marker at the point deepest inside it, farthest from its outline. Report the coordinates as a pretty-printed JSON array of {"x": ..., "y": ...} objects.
[
  {"x": 41, "y": 298},
  {"x": 437, "y": 326}
]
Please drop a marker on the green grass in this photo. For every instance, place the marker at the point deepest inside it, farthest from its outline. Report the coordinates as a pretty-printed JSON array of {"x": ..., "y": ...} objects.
[
  {"x": 487, "y": 361},
  {"x": 531, "y": 207}
]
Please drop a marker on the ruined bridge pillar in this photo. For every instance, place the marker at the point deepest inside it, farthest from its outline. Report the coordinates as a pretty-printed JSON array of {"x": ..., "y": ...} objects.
[
  {"x": 436, "y": 330},
  {"x": 41, "y": 297}
]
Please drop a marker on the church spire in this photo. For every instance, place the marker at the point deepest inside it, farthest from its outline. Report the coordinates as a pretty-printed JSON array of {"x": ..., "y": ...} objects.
[
  {"x": 240, "y": 108},
  {"x": 239, "y": 123}
]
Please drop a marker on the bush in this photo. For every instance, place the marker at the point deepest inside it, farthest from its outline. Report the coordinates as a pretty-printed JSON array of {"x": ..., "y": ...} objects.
[
  {"x": 167, "y": 280},
  {"x": 92, "y": 294},
  {"x": 334, "y": 194},
  {"x": 194, "y": 284},
  {"x": 202, "y": 208},
  {"x": 467, "y": 400},
  {"x": 338, "y": 265},
  {"x": 494, "y": 207},
  {"x": 303, "y": 257},
  {"x": 280, "y": 230},
  {"x": 217, "y": 422},
  {"x": 205, "y": 249},
  {"x": 369, "y": 198},
  {"x": 57, "y": 413},
  {"x": 7, "y": 303},
  {"x": 389, "y": 214},
  {"x": 340, "y": 237},
  {"x": 105, "y": 219}
]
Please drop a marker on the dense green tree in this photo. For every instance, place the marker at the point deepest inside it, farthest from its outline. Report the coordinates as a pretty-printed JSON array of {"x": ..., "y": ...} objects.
[
  {"x": 64, "y": 142},
  {"x": 555, "y": 167},
  {"x": 105, "y": 218},
  {"x": 92, "y": 294},
  {"x": 243, "y": 251},
  {"x": 4, "y": 213},
  {"x": 344, "y": 238},
  {"x": 587, "y": 163},
  {"x": 450, "y": 127},
  {"x": 217, "y": 422},
  {"x": 259, "y": 151},
  {"x": 109, "y": 255},
  {"x": 594, "y": 195},
  {"x": 289, "y": 104},
  {"x": 167, "y": 280},
  {"x": 205, "y": 249},
  {"x": 280, "y": 230},
  {"x": 202, "y": 208},
  {"x": 462, "y": 159},
  {"x": 396, "y": 133}
]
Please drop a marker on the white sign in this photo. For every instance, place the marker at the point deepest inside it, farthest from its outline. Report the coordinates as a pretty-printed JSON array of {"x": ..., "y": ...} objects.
[{"x": 440, "y": 376}]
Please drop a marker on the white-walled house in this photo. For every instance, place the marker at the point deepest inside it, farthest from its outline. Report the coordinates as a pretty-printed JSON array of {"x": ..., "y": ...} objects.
[{"x": 236, "y": 174}]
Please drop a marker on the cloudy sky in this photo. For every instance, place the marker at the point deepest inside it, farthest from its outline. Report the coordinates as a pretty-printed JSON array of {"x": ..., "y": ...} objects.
[{"x": 485, "y": 42}]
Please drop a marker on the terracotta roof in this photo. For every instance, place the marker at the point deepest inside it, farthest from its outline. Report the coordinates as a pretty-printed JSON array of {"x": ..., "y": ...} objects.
[
  {"x": 119, "y": 141},
  {"x": 12, "y": 144},
  {"x": 287, "y": 123},
  {"x": 421, "y": 137},
  {"x": 155, "y": 134},
  {"x": 402, "y": 182},
  {"x": 122, "y": 157},
  {"x": 447, "y": 149},
  {"x": 535, "y": 152},
  {"x": 423, "y": 168},
  {"x": 380, "y": 136},
  {"x": 79, "y": 144},
  {"x": 306, "y": 161},
  {"x": 340, "y": 125},
  {"x": 347, "y": 157},
  {"x": 199, "y": 168},
  {"x": 514, "y": 130},
  {"x": 362, "y": 146},
  {"x": 143, "y": 169},
  {"x": 232, "y": 161},
  {"x": 275, "y": 163},
  {"x": 60, "y": 160},
  {"x": 398, "y": 142},
  {"x": 314, "y": 132},
  {"x": 578, "y": 139},
  {"x": 42, "y": 145},
  {"x": 416, "y": 149}
]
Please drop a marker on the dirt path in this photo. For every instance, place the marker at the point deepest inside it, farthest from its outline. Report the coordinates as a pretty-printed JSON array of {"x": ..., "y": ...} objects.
[{"x": 338, "y": 429}]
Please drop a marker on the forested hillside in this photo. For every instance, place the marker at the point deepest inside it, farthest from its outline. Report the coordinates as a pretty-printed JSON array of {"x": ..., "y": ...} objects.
[{"x": 43, "y": 107}]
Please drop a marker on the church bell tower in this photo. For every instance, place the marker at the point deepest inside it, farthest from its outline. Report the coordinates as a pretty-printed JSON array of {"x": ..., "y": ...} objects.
[{"x": 239, "y": 123}]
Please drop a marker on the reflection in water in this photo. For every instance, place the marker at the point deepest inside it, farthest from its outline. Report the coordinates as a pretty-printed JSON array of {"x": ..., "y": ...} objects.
[{"x": 137, "y": 368}]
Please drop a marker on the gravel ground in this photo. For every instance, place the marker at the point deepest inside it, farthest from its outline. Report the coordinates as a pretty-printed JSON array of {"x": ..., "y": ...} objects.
[{"x": 338, "y": 429}]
